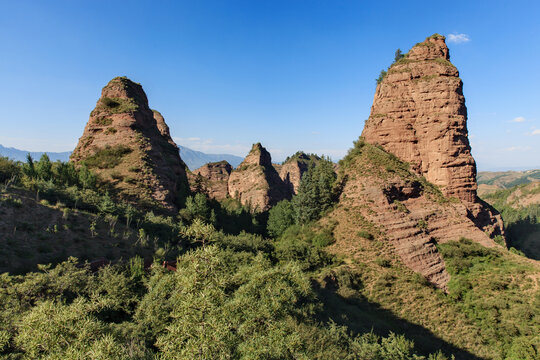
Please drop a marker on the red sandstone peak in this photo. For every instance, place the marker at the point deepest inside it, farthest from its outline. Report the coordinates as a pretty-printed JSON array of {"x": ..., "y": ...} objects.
[
  {"x": 419, "y": 115},
  {"x": 256, "y": 182},
  {"x": 129, "y": 145}
]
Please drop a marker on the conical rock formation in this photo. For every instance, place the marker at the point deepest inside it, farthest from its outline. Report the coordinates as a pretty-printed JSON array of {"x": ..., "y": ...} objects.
[
  {"x": 256, "y": 182},
  {"x": 129, "y": 146},
  {"x": 419, "y": 115}
]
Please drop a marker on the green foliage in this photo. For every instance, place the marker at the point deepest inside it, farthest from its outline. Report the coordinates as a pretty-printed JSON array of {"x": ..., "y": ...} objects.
[
  {"x": 522, "y": 223},
  {"x": 280, "y": 217},
  {"x": 8, "y": 169},
  {"x": 107, "y": 157},
  {"x": 315, "y": 193},
  {"x": 489, "y": 290},
  {"x": 218, "y": 304},
  {"x": 304, "y": 244},
  {"x": 398, "y": 55},
  {"x": 119, "y": 105},
  {"x": 381, "y": 77}
]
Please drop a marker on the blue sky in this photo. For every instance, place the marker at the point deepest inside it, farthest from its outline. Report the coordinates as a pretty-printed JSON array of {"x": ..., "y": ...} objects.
[{"x": 294, "y": 75}]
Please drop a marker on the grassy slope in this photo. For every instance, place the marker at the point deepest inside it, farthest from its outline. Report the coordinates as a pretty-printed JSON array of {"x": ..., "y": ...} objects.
[
  {"x": 499, "y": 316},
  {"x": 38, "y": 232}
]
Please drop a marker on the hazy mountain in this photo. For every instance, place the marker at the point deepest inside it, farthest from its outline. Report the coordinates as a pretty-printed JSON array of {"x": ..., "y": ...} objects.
[
  {"x": 20, "y": 155},
  {"x": 193, "y": 159}
]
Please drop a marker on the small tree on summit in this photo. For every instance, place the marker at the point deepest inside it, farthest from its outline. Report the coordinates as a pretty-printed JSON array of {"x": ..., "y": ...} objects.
[{"x": 398, "y": 55}]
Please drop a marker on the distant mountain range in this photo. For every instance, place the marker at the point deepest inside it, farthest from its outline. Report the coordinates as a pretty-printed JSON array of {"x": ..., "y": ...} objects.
[
  {"x": 20, "y": 155},
  {"x": 193, "y": 159}
]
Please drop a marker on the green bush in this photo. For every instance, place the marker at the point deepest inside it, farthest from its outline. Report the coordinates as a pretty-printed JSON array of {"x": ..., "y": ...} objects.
[{"x": 108, "y": 157}]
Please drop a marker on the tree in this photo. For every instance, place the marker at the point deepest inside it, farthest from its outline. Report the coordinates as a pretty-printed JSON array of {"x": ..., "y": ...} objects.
[
  {"x": 280, "y": 217},
  {"x": 398, "y": 55},
  {"x": 315, "y": 193}
]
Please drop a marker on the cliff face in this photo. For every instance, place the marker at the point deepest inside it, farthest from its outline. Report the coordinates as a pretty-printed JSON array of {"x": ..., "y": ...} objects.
[
  {"x": 256, "y": 182},
  {"x": 212, "y": 179},
  {"x": 419, "y": 115},
  {"x": 129, "y": 146}
]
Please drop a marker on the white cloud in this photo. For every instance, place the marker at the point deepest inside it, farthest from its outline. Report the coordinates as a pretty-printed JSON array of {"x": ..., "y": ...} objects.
[
  {"x": 458, "y": 38},
  {"x": 517, "y": 148},
  {"x": 536, "y": 132},
  {"x": 518, "y": 119}
]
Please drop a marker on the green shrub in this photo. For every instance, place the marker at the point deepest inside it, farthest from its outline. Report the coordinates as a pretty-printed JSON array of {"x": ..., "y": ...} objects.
[
  {"x": 366, "y": 235},
  {"x": 119, "y": 105},
  {"x": 108, "y": 157}
]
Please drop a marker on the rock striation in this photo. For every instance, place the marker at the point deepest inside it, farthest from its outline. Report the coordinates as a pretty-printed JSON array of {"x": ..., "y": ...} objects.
[
  {"x": 212, "y": 179},
  {"x": 293, "y": 168},
  {"x": 419, "y": 115},
  {"x": 130, "y": 147},
  {"x": 256, "y": 182}
]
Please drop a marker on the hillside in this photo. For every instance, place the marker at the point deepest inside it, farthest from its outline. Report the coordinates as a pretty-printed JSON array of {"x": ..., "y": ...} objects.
[
  {"x": 520, "y": 209},
  {"x": 489, "y": 181}
]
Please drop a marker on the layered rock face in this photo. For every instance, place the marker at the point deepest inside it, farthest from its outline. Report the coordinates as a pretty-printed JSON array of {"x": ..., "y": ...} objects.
[
  {"x": 293, "y": 168},
  {"x": 381, "y": 196},
  {"x": 256, "y": 182},
  {"x": 129, "y": 145},
  {"x": 212, "y": 179},
  {"x": 419, "y": 115}
]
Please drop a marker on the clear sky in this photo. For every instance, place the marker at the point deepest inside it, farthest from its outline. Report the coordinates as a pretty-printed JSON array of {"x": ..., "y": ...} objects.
[{"x": 294, "y": 75}]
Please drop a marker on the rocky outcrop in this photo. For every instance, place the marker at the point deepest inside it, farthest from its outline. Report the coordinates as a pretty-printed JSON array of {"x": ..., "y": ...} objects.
[
  {"x": 256, "y": 182},
  {"x": 380, "y": 195},
  {"x": 293, "y": 168},
  {"x": 212, "y": 179},
  {"x": 129, "y": 146},
  {"x": 419, "y": 115}
]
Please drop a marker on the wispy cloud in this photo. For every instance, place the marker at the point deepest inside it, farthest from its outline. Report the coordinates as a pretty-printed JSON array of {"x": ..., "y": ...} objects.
[
  {"x": 517, "y": 148},
  {"x": 458, "y": 38},
  {"x": 518, "y": 119},
  {"x": 536, "y": 132}
]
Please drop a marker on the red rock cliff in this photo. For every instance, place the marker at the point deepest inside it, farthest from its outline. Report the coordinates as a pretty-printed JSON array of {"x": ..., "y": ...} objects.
[{"x": 419, "y": 115}]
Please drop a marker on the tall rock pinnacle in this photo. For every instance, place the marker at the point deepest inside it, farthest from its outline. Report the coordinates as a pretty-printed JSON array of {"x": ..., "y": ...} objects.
[
  {"x": 130, "y": 147},
  {"x": 419, "y": 114}
]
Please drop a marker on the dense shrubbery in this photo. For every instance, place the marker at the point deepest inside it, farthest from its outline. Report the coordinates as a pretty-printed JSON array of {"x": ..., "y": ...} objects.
[
  {"x": 218, "y": 304},
  {"x": 316, "y": 194},
  {"x": 490, "y": 290}
]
